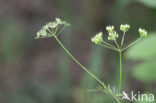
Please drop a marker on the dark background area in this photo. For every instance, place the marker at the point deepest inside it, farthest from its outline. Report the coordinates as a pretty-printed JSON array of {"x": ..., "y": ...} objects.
[{"x": 39, "y": 71}]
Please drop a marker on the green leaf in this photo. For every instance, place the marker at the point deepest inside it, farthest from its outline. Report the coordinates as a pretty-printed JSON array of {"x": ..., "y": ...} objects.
[
  {"x": 145, "y": 72},
  {"x": 149, "y": 3},
  {"x": 144, "y": 49}
]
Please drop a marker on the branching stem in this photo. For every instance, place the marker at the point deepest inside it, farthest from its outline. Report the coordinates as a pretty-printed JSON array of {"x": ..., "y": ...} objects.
[
  {"x": 116, "y": 44},
  {"x": 131, "y": 44},
  {"x": 110, "y": 45},
  {"x": 118, "y": 101}
]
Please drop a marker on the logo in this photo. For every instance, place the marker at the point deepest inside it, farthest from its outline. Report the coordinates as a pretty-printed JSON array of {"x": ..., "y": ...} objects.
[{"x": 137, "y": 97}]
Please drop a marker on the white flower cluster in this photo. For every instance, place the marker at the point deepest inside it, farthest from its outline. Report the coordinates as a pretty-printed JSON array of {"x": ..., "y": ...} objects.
[
  {"x": 143, "y": 32},
  {"x": 124, "y": 27},
  {"x": 112, "y": 35},
  {"x": 51, "y": 28},
  {"x": 110, "y": 28},
  {"x": 98, "y": 38}
]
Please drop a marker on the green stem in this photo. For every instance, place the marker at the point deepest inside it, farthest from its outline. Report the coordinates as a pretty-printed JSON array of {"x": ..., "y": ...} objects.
[
  {"x": 120, "y": 81},
  {"x": 131, "y": 44},
  {"x": 86, "y": 69},
  {"x": 116, "y": 44},
  {"x": 79, "y": 63},
  {"x": 59, "y": 30},
  {"x": 123, "y": 38},
  {"x": 109, "y": 45}
]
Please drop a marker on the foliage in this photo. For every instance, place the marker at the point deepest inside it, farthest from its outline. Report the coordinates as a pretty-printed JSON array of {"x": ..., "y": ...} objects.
[{"x": 149, "y": 3}]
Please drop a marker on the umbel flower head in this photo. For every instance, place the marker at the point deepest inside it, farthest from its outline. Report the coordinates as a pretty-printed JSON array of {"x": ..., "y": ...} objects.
[
  {"x": 98, "y": 38},
  {"x": 110, "y": 28},
  {"x": 124, "y": 27},
  {"x": 51, "y": 28},
  {"x": 113, "y": 35},
  {"x": 142, "y": 32}
]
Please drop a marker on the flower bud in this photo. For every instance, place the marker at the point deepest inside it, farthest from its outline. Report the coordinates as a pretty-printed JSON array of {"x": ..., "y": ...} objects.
[
  {"x": 124, "y": 28},
  {"x": 98, "y": 38},
  {"x": 113, "y": 36},
  {"x": 143, "y": 32},
  {"x": 110, "y": 28}
]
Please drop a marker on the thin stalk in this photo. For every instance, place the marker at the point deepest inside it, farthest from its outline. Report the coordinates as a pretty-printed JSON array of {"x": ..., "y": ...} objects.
[
  {"x": 60, "y": 30},
  {"x": 123, "y": 38},
  {"x": 120, "y": 81},
  {"x": 131, "y": 44},
  {"x": 85, "y": 68},
  {"x": 116, "y": 44},
  {"x": 78, "y": 62},
  {"x": 109, "y": 45}
]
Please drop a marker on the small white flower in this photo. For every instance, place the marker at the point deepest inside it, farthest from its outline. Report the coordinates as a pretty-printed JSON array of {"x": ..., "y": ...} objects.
[
  {"x": 113, "y": 35},
  {"x": 110, "y": 28},
  {"x": 41, "y": 34},
  {"x": 124, "y": 27},
  {"x": 142, "y": 32},
  {"x": 58, "y": 21},
  {"x": 51, "y": 28},
  {"x": 98, "y": 38}
]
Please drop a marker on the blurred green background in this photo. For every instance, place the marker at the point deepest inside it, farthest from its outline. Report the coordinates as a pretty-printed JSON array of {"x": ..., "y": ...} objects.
[{"x": 39, "y": 71}]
